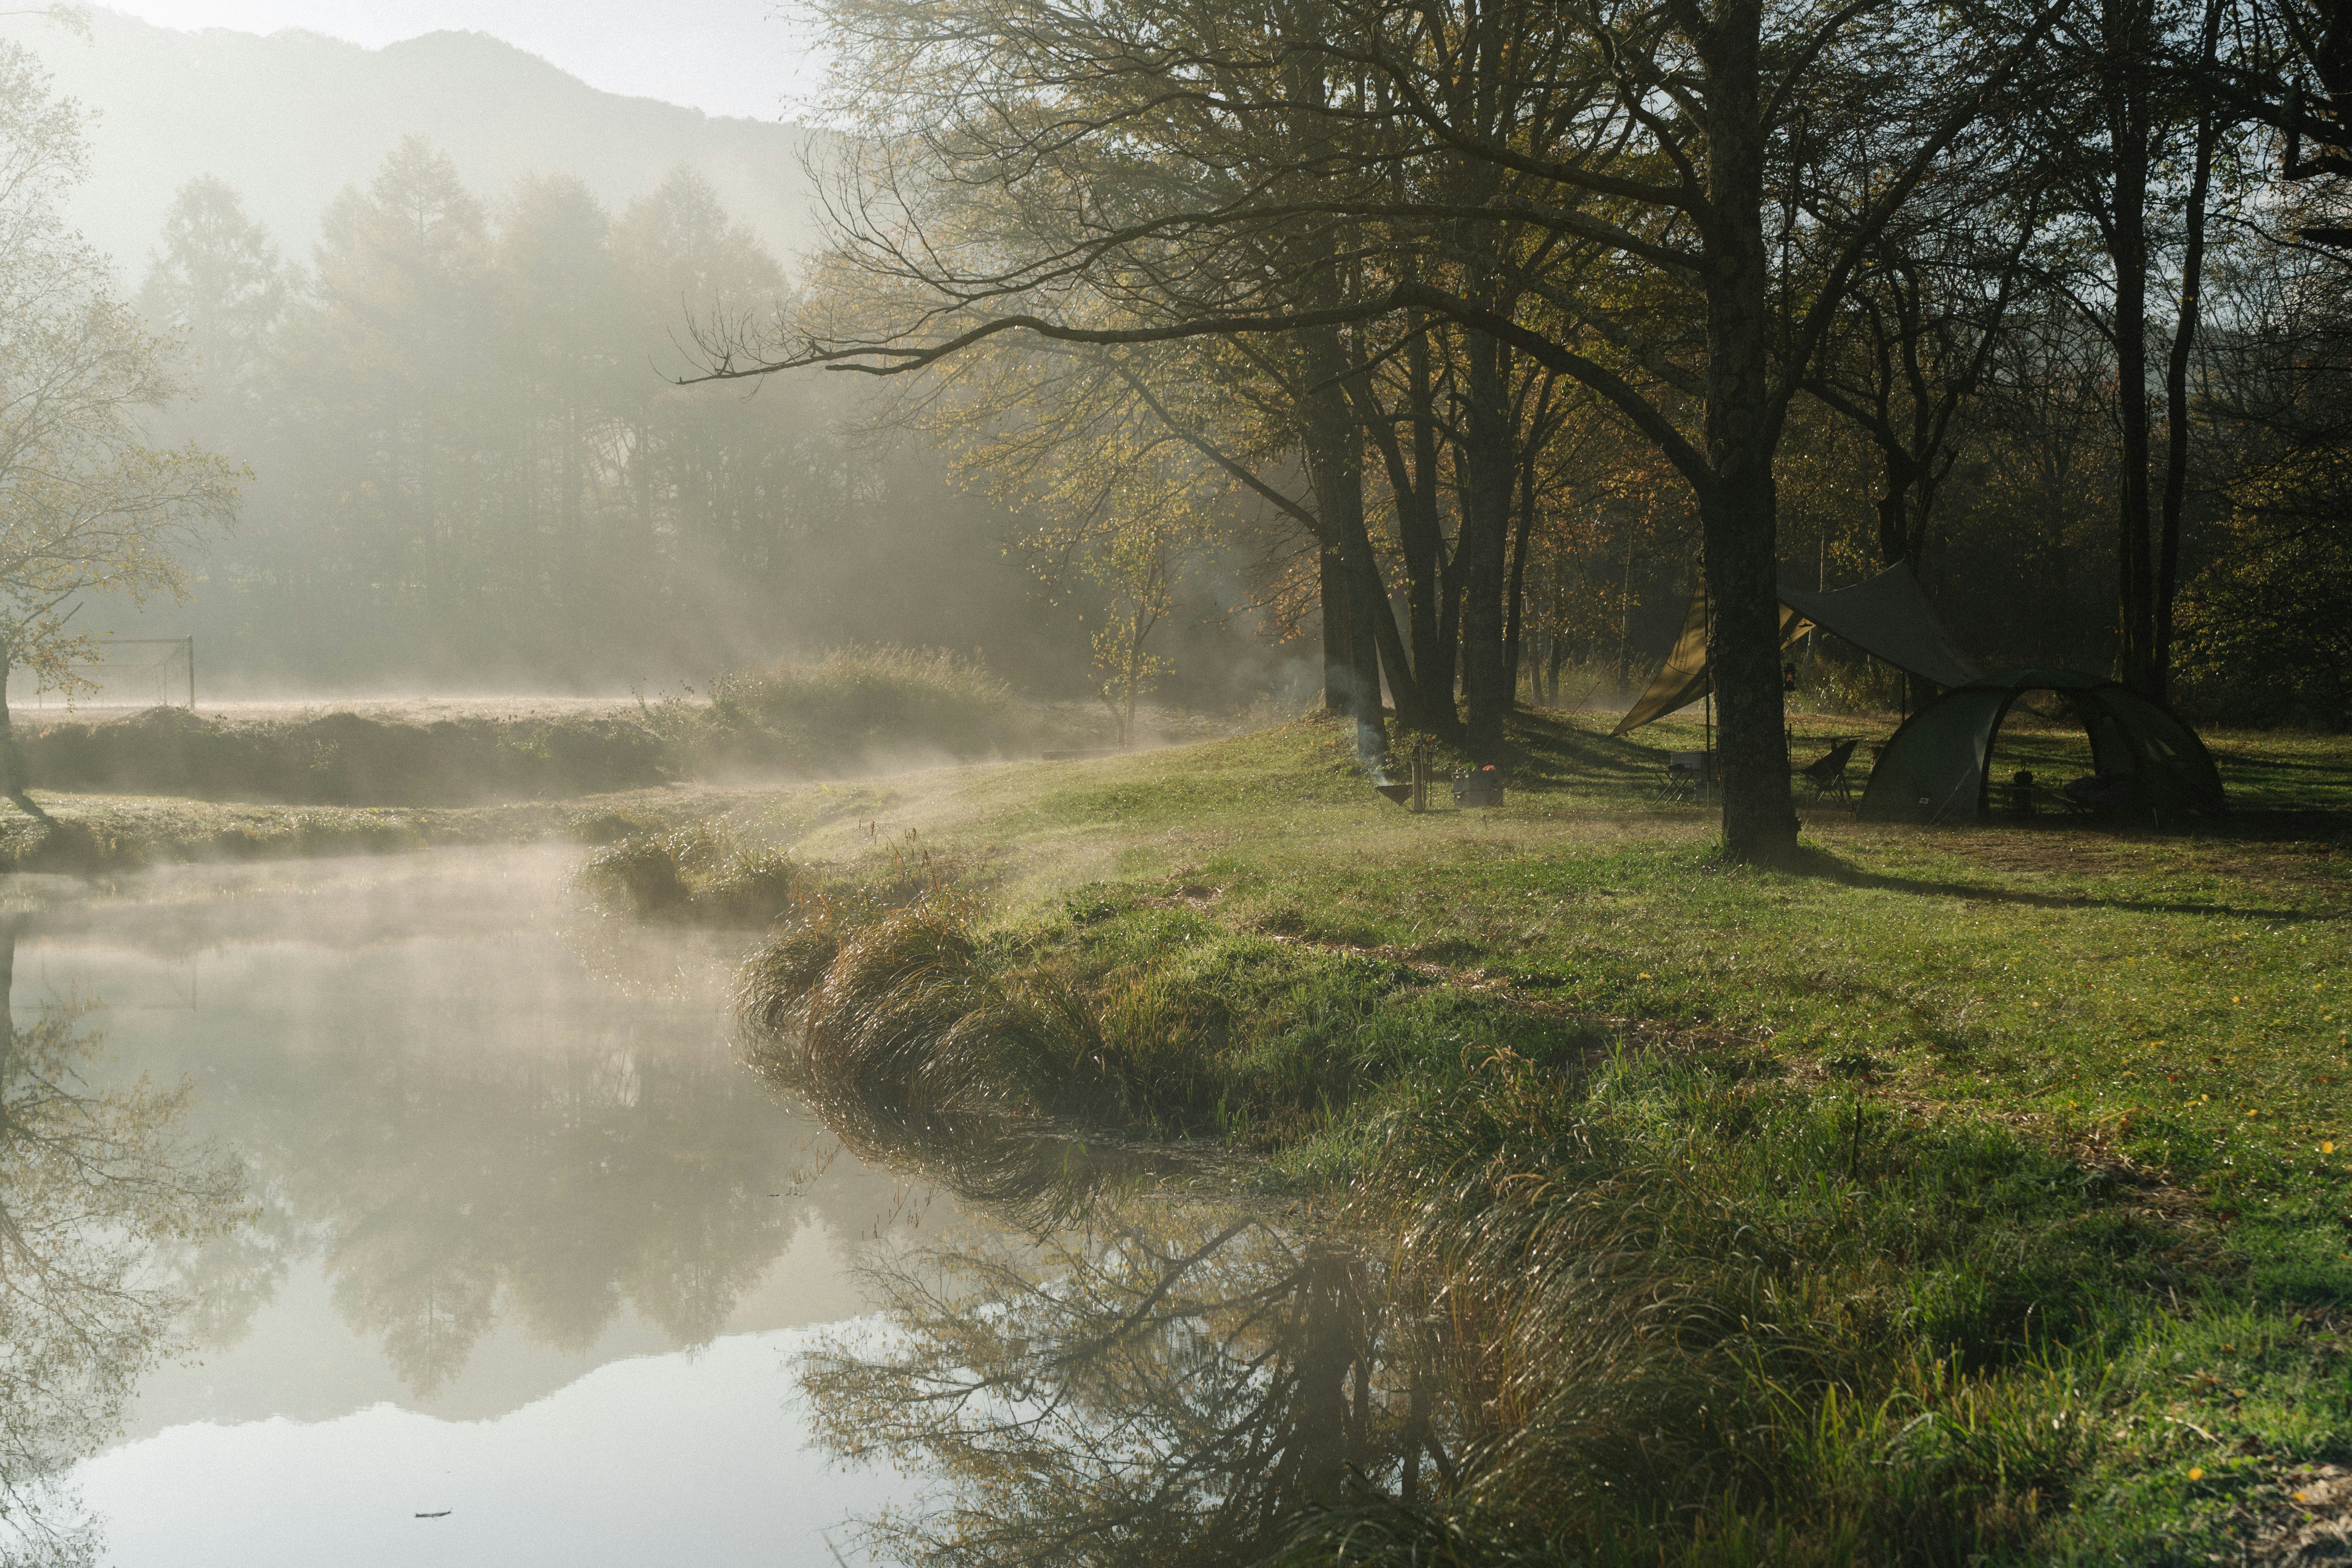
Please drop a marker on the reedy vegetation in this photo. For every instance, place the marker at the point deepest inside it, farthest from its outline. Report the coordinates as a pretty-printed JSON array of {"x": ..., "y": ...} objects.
[{"x": 847, "y": 711}]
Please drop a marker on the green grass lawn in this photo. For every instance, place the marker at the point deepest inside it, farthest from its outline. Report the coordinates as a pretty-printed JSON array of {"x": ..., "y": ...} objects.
[{"x": 2043, "y": 1124}]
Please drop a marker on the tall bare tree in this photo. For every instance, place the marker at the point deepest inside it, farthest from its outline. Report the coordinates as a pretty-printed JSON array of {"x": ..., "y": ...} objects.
[{"x": 1635, "y": 153}]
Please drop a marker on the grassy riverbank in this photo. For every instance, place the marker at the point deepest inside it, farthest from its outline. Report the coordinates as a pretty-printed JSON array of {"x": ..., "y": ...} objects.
[
  {"x": 1956, "y": 1194},
  {"x": 104, "y": 834},
  {"x": 846, "y": 713}
]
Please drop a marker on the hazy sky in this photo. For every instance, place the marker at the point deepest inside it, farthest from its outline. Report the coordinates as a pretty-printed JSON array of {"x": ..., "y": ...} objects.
[{"x": 723, "y": 57}]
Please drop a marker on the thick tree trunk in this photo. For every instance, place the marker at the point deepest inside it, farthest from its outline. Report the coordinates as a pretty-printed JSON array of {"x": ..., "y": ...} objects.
[
  {"x": 1362, "y": 636},
  {"x": 1739, "y": 512},
  {"x": 1743, "y": 652},
  {"x": 2127, "y": 25},
  {"x": 2175, "y": 387},
  {"x": 1335, "y": 462},
  {"x": 1414, "y": 485},
  {"x": 12, "y": 775},
  {"x": 1894, "y": 536},
  {"x": 1515, "y": 617},
  {"x": 1485, "y": 532},
  {"x": 1338, "y": 677},
  {"x": 1431, "y": 655}
]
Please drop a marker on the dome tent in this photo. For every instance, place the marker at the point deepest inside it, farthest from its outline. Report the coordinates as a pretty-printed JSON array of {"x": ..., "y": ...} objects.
[{"x": 1936, "y": 768}]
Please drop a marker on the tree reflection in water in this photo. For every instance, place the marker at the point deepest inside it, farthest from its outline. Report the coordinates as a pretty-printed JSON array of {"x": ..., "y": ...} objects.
[
  {"x": 449, "y": 1187},
  {"x": 1142, "y": 1378},
  {"x": 98, "y": 1191},
  {"x": 464, "y": 1133}
]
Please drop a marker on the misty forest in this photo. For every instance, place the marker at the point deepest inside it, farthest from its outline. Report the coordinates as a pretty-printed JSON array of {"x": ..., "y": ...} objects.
[{"x": 976, "y": 782}]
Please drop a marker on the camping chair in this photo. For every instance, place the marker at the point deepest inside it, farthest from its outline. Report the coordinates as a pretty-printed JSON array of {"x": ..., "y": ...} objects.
[
  {"x": 2096, "y": 795},
  {"x": 1827, "y": 772},
  {"x": 1687, "y": 774}
]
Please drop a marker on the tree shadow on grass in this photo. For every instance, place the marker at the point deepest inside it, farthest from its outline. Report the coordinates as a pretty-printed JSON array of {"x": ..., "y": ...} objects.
[
  {"x": 1552, "y": 751},
  {"x": 1808, "y": 860}
]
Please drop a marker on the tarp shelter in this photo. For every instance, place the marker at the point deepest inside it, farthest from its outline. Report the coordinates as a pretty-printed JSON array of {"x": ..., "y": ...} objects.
[
  {"x": 1936, "y": 768},
  {"x": 1887, "y": 617}
]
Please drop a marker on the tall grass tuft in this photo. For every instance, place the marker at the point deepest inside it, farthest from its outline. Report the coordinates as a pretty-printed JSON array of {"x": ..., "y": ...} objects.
[
  {"x": 897, "y": 1008},
  {"x": 919, "y": 1049},
  {"x": 1701, "y": 1318},
  {"x": 699, "y": 873}
]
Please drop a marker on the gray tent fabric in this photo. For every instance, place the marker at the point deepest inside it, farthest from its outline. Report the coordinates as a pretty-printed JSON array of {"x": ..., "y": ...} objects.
[
  {"x": 1887, "y": 617},
  {"x": 1936, "y": 768}
]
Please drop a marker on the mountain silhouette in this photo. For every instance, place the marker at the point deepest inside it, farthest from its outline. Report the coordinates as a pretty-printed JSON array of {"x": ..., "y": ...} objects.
[{"x": 291, "y": 119}]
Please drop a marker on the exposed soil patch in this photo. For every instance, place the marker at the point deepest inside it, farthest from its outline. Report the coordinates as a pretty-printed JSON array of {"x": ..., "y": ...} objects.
[{"x": 2305, "y": 1518}]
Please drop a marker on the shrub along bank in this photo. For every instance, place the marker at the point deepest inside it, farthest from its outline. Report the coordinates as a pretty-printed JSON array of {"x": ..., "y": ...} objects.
[
  {"x": 343, "y": 759},
  {"x": 858, "y": 710},
  {"x": 849, "y": 711},
  {"x": 109, "y": 835},
  {"x": 1959, "y": 1196}
]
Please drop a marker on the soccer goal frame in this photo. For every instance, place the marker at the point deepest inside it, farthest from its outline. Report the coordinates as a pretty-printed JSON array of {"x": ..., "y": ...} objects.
[{"x": 182, "y": 647}]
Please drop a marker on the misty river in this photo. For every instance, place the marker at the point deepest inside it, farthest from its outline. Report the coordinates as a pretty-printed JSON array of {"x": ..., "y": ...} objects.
[
  {"x": 516, "y": 1260},
  {"x": 398, "y": 1211}
]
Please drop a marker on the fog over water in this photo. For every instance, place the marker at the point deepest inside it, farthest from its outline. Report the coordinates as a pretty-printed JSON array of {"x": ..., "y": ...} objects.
[
  {"x": 522, "y": 1240},
  {"x": 477, "y": 1240}
]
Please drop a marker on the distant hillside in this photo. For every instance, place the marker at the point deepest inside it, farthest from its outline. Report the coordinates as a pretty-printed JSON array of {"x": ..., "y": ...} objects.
[{"x": 291, "y": 119}]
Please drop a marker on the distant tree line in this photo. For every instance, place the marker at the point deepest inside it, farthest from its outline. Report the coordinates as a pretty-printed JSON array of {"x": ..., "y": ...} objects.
[
  {"x": 1507, "y": 309},
  {"x": 471, "y": 463}
]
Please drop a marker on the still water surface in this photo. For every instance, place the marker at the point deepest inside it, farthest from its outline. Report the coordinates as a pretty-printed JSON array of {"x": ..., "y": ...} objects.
[
  {"x": 473, "y": 1241},
  {"x": 518, "y": 1243}
]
